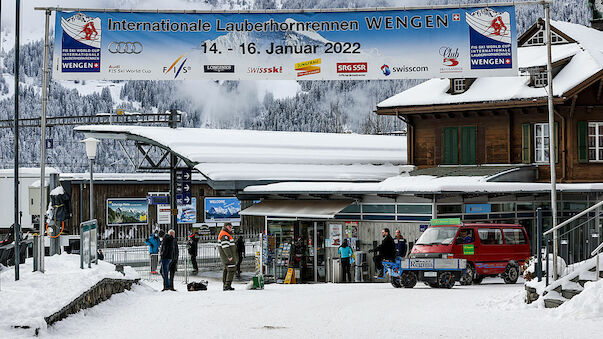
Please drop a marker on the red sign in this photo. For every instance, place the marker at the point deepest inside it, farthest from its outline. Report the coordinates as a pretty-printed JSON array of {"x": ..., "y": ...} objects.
[{"x": 352, "y": 67}]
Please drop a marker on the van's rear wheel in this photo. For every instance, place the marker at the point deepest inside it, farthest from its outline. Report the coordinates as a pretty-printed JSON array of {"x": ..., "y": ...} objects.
[
  {"x": 467, "y": 278},
  {"x": 396, "y": 282},
  {"x": 511, "y": 273},
  {"x": 408, "y": 279},
  {"x": 446, "y": 280}
]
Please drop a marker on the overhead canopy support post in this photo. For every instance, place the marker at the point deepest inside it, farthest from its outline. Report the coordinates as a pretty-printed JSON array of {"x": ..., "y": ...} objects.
[{"x": 173, "y": 163}]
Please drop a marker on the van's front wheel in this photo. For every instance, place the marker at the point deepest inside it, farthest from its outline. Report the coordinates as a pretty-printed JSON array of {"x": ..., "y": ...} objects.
[{"x": 511, "y": 273}]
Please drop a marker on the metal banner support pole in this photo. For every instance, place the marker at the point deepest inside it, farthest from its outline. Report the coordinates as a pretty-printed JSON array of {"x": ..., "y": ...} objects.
[
  {"x": 552, "y": 145},
  {"x": 43, "y": 147},
  {"x": 173, "y": 163},
  {"x": 539, "y": 244},
  {"x": 17, "y": 226}
]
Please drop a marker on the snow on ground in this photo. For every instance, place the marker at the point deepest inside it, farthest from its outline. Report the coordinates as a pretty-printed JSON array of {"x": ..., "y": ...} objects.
[
  {"x": 26, "y": 302},
  {"x": 491, "y": 310}
]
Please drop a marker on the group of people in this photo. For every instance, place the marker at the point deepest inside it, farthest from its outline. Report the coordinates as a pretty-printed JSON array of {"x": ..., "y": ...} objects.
[
  {"x": 165, "y": 247},
  {"x": 388, "y": 250}
]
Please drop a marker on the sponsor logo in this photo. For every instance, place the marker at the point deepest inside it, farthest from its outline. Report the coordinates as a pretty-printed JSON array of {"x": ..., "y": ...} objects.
[
  {"x": 307, "y": 67},
  {"x": 385, "y": 70},
  {"x": 80, "y": 43},
  {"x": 125, "y": 47},
  {"x": 449, "y": 56},
  {"x": 490, "y": 39},
  {"x": 218, "y": 68},
  {"x": 117, "y": 69},
  {"x": 177, "y": 67},
  {"x": 265, "y": 70},
  {"x": 352, "y": 67}
]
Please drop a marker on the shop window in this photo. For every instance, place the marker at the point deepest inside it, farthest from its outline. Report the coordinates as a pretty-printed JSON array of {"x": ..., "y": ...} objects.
[
  {"x": 367, "y": 208},
  {"x": 514, "y": 236},
  {"x": 378, "y": 217},
  {"x": 353, "y": 208},
  {"x": 525, "y": 206},
  {"x": 447, "y": 209},
  {"x": 414, "y": 209},
  {"x": 505, "y": 207},
  {"x": 490, "y": 236},
  {"x": 574, "y": 206}
]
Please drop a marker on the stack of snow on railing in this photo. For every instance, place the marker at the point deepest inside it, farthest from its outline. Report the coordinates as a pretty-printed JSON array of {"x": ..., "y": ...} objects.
[
  {"x": 27, "y": 302},
  {"x": 582, "y": 277}
]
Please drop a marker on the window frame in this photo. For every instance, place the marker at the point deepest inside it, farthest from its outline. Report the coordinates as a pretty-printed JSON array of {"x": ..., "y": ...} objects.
[
  {"x": 459, "y": 85},
  {"x": 501, "y": 242},
  {"x": 543, "y": 137},
  {"x": 540, "y": 78},
  {"x": 598, "y": 141}
]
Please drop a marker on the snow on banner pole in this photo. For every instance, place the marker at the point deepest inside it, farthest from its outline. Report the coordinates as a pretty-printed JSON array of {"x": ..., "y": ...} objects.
[
  {"x": 337, "y": 44},
  {"x": 552, "y": 145}
]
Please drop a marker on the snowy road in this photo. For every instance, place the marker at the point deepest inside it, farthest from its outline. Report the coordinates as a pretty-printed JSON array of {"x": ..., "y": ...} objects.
[{"x": 323, "y": 311}]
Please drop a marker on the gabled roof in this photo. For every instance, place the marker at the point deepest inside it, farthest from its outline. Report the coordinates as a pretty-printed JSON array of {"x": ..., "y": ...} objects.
[
  {"x": 585, "y": 67},
  {"x": 267, "y": 156}
]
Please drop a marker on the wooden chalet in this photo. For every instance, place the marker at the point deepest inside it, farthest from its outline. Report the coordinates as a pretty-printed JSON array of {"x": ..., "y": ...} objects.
[{"x": 504, "y": 120}]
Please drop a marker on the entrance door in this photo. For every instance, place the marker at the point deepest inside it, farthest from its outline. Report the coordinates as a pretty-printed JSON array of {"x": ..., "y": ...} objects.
[{"x": 315, "y": 260}]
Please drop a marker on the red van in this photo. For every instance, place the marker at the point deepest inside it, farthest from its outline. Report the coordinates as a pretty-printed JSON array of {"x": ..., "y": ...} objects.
[{"x": 490, "y": 249}]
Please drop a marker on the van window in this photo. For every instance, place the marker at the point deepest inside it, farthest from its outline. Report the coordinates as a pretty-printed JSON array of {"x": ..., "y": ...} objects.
[
  {"x": 490, "y": 236},
  {"x": 465, "y": 236},
  {"x": 514, "y": 236}
]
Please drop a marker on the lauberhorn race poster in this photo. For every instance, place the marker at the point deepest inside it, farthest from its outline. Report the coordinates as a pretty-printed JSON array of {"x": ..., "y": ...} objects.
[{"x": 337, "y": 45}]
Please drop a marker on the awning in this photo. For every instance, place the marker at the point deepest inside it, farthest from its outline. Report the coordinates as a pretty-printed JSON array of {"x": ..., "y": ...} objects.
[{"x": 318, "y": 209}]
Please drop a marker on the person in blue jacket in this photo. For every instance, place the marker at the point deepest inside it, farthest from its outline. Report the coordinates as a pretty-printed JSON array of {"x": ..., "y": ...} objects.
[
  {"x": 345, "y": 253},
  {"x": 153, "y": 242}
]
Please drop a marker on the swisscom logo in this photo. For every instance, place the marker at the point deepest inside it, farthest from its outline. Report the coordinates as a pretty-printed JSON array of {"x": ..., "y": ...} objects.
[{"x": 385, "y": 70}]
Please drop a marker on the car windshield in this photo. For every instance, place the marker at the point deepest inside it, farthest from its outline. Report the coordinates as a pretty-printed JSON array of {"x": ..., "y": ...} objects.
[{"x": 437, "y": 236}]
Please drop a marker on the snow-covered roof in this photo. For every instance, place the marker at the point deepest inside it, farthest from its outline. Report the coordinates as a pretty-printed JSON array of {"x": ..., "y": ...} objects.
[
  {"x": 122, "y": 177},
  {"x": 404, "y": 184},
  {"x": 587, "y": 60},
  {"x": 223, "y": 155},
  {"x": 29, "y": 172}
]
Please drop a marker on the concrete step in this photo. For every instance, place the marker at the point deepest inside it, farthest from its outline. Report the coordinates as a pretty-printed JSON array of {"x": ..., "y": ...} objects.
[
  {"x": 552, "y": 303},
  {"x": 568, "y": 294}
]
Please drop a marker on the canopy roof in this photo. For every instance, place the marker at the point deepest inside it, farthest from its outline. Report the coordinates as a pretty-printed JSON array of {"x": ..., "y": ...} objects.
[
  {"x": 248, "y": 155},
  {"x": 321, "y": 209}
]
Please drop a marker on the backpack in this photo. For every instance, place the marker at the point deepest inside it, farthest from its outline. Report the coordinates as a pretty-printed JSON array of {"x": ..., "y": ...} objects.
[{"x": 197, "y": 286}]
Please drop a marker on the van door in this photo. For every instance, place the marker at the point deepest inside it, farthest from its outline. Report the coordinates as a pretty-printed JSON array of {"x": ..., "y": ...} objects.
[
  {"x": 491, "y": 257},
  {"x": 464, "y": 244},
  {"x": 516, "y": 245}
]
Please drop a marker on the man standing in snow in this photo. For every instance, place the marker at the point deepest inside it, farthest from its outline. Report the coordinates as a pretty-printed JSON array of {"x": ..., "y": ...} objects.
[
  {"x": 228, "y": 255},
  {"x": 174, "y": 262},
  {"x": 167, "y": 253},
  {"x": 193, "y": 245},
  {"x": 387, "y": 251}
]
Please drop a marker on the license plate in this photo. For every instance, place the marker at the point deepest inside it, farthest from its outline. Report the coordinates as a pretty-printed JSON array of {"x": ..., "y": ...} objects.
[{"x": 430, "y": 274}]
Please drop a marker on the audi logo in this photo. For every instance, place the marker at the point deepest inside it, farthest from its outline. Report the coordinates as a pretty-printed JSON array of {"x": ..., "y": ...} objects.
[{"x": 125, "y": 47}]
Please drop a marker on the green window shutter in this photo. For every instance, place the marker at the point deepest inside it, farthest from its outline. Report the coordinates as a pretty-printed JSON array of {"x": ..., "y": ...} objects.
[
  {"x": 556, "y": 140},
  {"x": 582, "y": 141},
  {"x": 526, "y": 143},
  {"x": 450, "y": 143},
  {"x": 468, "y": 145}
]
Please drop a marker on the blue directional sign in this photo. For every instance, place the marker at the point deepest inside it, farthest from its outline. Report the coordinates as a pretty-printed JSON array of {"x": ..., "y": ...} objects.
[
  {"x": 184, "y": 186},
  {"x": 49, "y": 144},
  {"x": 158, "y": 199}
]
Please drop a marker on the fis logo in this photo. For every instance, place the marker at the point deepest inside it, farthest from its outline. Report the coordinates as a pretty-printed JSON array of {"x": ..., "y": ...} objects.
[
  {"x": 385, "y": 70},
  {"x": 177, "y": 67}
]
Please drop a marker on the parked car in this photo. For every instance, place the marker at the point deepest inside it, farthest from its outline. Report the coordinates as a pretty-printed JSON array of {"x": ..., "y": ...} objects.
[{"x": 490, "y": 249}]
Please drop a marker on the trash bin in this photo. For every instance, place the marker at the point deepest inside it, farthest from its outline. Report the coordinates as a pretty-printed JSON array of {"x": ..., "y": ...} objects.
[
  {"x": 360, "y": 267},
  {"x": 336, "y": 265}
]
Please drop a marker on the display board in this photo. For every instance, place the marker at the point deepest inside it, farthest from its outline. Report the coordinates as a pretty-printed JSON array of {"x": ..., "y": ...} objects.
[
  {"x": 301, "y": 45},
  {"x": 127, "y": 211},
  {"x": 187, "y": 214},
  {"x": 222, "y": 209},
  {"x": 88, "y": 243}
]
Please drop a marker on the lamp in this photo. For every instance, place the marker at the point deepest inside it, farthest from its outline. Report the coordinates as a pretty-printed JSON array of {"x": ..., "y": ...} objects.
[{"x": 91, "y": 144}]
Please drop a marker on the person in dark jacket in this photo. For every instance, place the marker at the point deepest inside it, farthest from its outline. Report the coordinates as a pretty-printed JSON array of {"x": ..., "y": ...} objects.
[
  {"x": 400, "y": 244},
  {"x": 386, "y": 251},
  {"x": 167, "y": 253},
  {"x": 241, "y": 253},
  {"x": 153, "y": 242},
  {"x": 228, "y": 254},
  {"x": 193, "y": 247},
  {"x": 345, "y": 253},
  {"x": 174, "y": 263}
]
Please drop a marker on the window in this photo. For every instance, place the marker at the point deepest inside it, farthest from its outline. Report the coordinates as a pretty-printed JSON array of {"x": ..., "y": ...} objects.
[
  {"x": 458, "y": 85},
  {"x": 540, "y": 78},
  {"x": 541, "y": 142},
  {"x": 466, "y": 236},
  {"x": 366, "y": 208},
  {"x": 414, "y": 209},
  {"x": 538, "y": 39},
  {"x": 503, "y": 207},
  {"x": 447, "y": 209},
  {"x": 595, "y": 141},
  {"x": 490, "y": 236},
  {"x": 466, "y": 153},
  {"x": 353, "y": 208},
  {"x": 514, "y": 236}
]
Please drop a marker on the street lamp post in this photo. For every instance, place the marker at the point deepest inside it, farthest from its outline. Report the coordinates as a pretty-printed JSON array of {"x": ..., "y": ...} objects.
[{"x": 91, "y": 145}]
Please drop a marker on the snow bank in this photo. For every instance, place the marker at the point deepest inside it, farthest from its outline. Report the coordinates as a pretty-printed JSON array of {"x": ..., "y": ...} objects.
[
  {"x": 586, "y": 305},
  {"x": 26, "y": 302}
]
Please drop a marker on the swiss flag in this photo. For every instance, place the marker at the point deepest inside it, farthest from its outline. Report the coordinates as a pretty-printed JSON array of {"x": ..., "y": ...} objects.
[
  {"x": 96, "y": 65},
  {"x": 456, "y": 17},
  {"x": 507, "y": 61}
]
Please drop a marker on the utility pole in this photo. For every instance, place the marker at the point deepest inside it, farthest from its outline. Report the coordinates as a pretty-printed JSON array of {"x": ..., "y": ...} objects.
[{"x": 17, "y": 226}]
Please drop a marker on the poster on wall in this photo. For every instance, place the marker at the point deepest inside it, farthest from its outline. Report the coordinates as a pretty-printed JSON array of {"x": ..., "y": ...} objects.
[
  {"x": 335, "y": 231},
  {"x": 222, "y": 209},
  {"x": 128, "y": 211},
  {"x": 286, "y": 45},
  {"x": 187, "y": 214}
]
